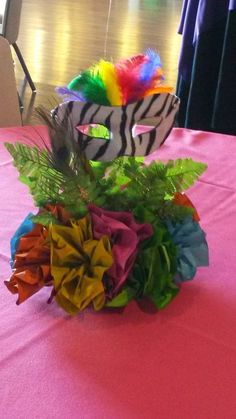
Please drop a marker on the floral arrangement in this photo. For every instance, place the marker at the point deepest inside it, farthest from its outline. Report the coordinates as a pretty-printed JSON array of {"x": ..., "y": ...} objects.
[{"x": 105, "y": 233}]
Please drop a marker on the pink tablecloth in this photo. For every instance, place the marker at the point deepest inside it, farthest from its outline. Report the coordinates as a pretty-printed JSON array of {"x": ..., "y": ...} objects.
[{"x": 179, "y": 363}]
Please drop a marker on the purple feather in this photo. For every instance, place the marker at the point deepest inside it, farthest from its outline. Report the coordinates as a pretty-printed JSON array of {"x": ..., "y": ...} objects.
[{"x": 69, "y": 94}]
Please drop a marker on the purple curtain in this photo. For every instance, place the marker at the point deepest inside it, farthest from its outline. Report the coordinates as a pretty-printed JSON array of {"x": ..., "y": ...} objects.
[{"x": 207, "y": 64}]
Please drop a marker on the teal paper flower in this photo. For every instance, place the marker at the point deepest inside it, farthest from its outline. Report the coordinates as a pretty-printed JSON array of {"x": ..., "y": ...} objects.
[{"x": 191, "y": 245}]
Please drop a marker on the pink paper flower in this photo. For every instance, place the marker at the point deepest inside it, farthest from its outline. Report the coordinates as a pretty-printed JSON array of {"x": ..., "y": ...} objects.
[{"x": 125, "y": 235}]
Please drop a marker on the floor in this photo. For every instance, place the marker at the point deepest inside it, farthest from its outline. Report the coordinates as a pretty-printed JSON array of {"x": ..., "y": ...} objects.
[{"x": 58, "y": 38}]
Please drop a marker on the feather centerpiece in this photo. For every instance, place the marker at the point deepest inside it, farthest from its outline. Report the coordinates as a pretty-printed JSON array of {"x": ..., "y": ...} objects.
[
  {"x": 110, "y": 231},
  {"x": 106, "y": 233}
]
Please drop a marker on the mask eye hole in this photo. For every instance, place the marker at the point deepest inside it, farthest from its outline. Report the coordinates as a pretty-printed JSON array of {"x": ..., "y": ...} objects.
[
  {"x": 95, "y": 131},
  {"x": 146, "y": 125}
]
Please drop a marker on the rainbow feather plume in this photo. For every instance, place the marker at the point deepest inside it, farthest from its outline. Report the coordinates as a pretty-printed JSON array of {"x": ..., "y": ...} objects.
[{"x": 125, "y": 82}]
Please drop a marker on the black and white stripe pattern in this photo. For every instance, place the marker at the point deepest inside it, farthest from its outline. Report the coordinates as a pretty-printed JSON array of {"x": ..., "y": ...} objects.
[{"x": 158, "y": 110}]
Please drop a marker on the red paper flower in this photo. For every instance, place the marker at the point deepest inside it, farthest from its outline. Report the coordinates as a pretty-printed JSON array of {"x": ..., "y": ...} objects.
[{"x": 125, "y": 235}]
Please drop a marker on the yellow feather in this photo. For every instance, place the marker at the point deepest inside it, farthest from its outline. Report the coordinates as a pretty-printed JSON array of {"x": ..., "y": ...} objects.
[{"x": 107, "y": 73}]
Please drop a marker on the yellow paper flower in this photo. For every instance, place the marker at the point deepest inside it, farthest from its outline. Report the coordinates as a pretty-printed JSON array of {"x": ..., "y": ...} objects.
[{"x": 78, "y": 263}]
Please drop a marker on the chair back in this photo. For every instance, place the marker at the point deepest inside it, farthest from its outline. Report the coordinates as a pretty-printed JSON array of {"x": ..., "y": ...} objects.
[
  {"x": 3, "y": 12},
  {"x": 9, "y": 103},
  {"x": 11, "y": 19}
]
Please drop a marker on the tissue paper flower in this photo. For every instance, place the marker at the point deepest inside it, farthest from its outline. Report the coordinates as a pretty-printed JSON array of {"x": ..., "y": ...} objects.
[
  {"x": 79, "y": 262},
  {"x": 125, "y": 235},
  {"x": 31, "y": 268},
  {"x": 192, "y": 249}
]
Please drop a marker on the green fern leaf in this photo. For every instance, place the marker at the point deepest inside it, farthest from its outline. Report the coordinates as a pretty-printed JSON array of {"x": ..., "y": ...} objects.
[
  {"x": 182, "y": 173},
  {"x": 43, "y": 181}
]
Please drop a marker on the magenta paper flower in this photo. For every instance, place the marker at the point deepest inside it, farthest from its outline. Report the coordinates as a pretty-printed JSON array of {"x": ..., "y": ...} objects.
[{"x": 125, "y": 235}]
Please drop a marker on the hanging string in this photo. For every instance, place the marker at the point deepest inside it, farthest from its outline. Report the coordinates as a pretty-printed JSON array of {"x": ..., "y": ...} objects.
[{"x": 107, "y": 28}]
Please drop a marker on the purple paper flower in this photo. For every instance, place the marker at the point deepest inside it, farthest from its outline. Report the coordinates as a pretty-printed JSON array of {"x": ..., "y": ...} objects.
[{"x": 125, "y": 235}]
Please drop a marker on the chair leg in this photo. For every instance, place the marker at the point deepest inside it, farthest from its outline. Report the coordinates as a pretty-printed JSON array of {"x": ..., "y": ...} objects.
[
  {"x": 21, "y": 106},
  {"x": 25, "y": 69}
]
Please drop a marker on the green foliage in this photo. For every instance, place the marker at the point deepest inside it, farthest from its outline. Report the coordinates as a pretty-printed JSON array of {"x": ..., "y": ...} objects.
[
  {"x": 45, "y": 218},
  {"x": 130, "y": 185},
  {"x": 68, "y": 185},
  {"x": 33, "y": 165},
  {"x": 182, "y": 173},
  {"x": 78, "y": 192},
  {"x": 134, "y": 287},
  {"x": 123, "y": 298},
  {"x": 169, "y": 210},
  {"x": 66, "y": 177},
  {"x": 28, "y": 159},
  {"x": 159, "y": 261}
]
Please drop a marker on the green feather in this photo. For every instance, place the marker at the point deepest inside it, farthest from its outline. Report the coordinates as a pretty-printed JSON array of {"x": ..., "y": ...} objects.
[{"x": 91, "y": 86}]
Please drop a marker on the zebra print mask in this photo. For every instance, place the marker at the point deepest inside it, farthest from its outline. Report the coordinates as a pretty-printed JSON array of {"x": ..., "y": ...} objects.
[{"x": 157, "y": 111}]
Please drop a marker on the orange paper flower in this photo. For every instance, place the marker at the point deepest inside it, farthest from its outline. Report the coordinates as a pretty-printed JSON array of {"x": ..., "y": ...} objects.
[{"x": 31, "y": 269}]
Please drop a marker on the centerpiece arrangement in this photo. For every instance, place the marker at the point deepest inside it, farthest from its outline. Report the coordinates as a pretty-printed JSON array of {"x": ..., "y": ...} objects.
[{"x": 109, "y": 228}]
